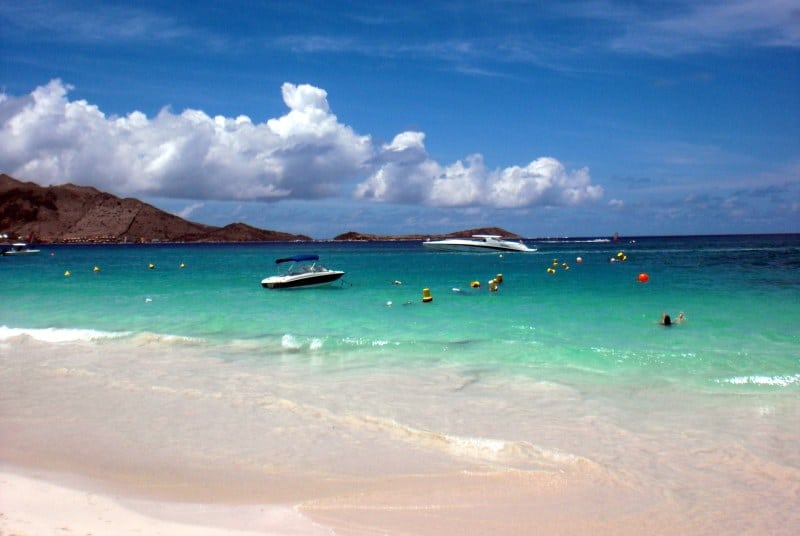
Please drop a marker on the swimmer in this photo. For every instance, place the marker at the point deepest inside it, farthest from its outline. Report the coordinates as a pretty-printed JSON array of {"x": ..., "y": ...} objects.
[
  {"x": 681, "y": 318},
  {"x": 666, "y": 320}
]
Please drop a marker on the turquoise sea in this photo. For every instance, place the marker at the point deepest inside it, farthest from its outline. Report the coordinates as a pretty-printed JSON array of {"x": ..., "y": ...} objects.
[{"x": 199, "y": 366}]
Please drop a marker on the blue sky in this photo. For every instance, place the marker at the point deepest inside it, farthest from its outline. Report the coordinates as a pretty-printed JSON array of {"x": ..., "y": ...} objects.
[{"x": 576, "y": 118}]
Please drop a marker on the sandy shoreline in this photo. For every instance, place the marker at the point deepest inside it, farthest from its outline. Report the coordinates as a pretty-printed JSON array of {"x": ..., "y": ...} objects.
[
  {"x": 121, "y": 439},
  {"x": 36, "y": 503}
]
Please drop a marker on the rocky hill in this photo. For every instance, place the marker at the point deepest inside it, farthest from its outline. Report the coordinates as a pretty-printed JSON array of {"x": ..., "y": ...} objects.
[
  {"x": 82, "y": 214},
  {"x": 70, "y": 213}
]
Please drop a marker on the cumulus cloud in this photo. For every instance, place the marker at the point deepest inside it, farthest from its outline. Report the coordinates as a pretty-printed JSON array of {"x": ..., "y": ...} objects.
[
  {"x": 305, "y": 154},
  {"x": 407, "y": 174}
]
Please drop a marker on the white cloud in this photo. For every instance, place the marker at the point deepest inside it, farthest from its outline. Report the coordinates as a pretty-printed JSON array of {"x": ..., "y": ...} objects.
[
  {"x": 187, "y": 211},
  {"x": 700, "y": 26},
  {"x": 305, "y": 154},
  {"x": 406, "y": 174},
  {"x": 101, "y": 22}
]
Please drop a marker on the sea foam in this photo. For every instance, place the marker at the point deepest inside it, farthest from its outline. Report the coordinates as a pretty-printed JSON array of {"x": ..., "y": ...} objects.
[
  {"x": 58, "y": 335},
  {"x": 778, "y": 381}
]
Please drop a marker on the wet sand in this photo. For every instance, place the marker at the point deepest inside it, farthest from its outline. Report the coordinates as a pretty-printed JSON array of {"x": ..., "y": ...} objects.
[
  {"x": 43, "y": 502},
  {"x": 140, "y": 447}
]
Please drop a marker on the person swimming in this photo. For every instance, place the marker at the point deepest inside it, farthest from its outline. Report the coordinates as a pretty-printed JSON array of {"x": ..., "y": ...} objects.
[{"x": 666, "y": 320}]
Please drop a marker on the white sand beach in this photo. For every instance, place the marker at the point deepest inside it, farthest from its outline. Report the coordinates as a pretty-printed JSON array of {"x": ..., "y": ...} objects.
[{"x": 32, "y": 506}]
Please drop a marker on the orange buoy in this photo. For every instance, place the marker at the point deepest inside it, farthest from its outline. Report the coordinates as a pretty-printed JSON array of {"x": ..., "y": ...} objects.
[{"x": 643, "y": 278}]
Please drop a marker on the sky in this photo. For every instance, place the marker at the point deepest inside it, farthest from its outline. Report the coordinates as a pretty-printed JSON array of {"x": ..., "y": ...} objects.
[{"x": 548, "y": 119}]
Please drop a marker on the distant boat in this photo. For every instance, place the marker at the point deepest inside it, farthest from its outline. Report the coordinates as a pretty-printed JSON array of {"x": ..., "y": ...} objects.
[
  {"x": 478, "y": 243},
  {"x": 19, "y": 248},
  {"x": 304, "y": 271}
]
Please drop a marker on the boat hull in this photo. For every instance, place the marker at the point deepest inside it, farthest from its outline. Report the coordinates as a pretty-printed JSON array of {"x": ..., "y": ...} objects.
[
  {"x": 470, "y": 246},
  {"x": 304, "y": 280},
  {"x": 15, "y": 253},
  {"x": 18, "y": 248}
]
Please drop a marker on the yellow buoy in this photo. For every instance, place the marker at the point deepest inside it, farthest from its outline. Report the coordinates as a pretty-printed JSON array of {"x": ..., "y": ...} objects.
[
  {"x": 67, "y": 273},
  {"x": 493, "y": 285},
  {"x": 96, "y": 269},
  {"x": 183, "y": 265},
  {"x": 426, "y": 295},
  {"x": 151, "y": 265},
  {"x": 551, "y": 270},
  {"x": 499, "y": 278},
  {"x": 475, "y": 284}
]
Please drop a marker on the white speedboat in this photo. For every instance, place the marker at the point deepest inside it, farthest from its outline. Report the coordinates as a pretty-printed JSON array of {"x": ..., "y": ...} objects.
[
  {"x": 303, "y": 271},
  {"x": 19, "y": 248},
  {"x": 487, "y": 243}
]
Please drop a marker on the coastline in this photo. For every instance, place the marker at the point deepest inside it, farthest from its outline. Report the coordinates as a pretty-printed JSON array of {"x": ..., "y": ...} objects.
[
  {"x": 37, "y": 501},
  {"x": 43, "y": 501},
  {"x": 219, "y": 408},
  {"x": 40, "y": 502}
]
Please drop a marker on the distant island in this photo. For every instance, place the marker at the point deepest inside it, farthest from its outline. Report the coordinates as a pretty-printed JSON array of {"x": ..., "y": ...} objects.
[
  {"x": 353, "y": 236},
  {"x": 82, "y": 214}
]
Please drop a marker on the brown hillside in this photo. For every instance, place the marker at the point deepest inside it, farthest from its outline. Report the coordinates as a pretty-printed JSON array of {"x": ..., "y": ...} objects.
[{"x": 70, "y": 213}]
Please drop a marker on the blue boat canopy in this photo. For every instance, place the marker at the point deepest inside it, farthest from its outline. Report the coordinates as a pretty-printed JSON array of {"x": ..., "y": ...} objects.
[{"x": 298, "y": 258}]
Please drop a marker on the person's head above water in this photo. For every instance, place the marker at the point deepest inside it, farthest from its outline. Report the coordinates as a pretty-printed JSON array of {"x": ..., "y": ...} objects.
[{"x": 666, "y": 320}]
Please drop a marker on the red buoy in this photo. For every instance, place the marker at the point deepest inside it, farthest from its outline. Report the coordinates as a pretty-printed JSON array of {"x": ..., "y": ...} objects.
[{"x": 643, "y": 278}]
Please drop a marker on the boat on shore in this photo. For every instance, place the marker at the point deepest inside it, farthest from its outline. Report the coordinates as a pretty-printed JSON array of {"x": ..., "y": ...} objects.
[
  {"x": 478, "y": 243},
  {"x": 18, "y": 248},
  {"x": 303, "y": 271}
]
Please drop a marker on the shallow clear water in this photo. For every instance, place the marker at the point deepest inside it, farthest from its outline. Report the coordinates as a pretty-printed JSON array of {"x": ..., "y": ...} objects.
[
  {"x": 553, "y": 372},
  {"x": 740, "y": 296}
]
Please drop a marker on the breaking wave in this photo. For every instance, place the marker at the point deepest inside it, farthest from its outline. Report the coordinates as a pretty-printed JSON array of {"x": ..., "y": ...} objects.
[
  {"x": 59, "y": 335},
  {"x": 777, "y": 381}
]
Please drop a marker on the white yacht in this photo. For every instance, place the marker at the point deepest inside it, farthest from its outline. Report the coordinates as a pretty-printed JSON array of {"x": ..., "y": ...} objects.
[
  {"x": 19, "y": 248},
  {"x": 487, "y": 243}
]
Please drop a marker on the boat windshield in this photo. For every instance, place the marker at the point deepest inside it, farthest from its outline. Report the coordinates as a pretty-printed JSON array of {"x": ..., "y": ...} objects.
[{"x": 305, "y": 268}]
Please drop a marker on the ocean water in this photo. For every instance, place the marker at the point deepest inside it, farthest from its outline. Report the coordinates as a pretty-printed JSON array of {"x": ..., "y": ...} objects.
[{"x": 192, "y": 365}]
